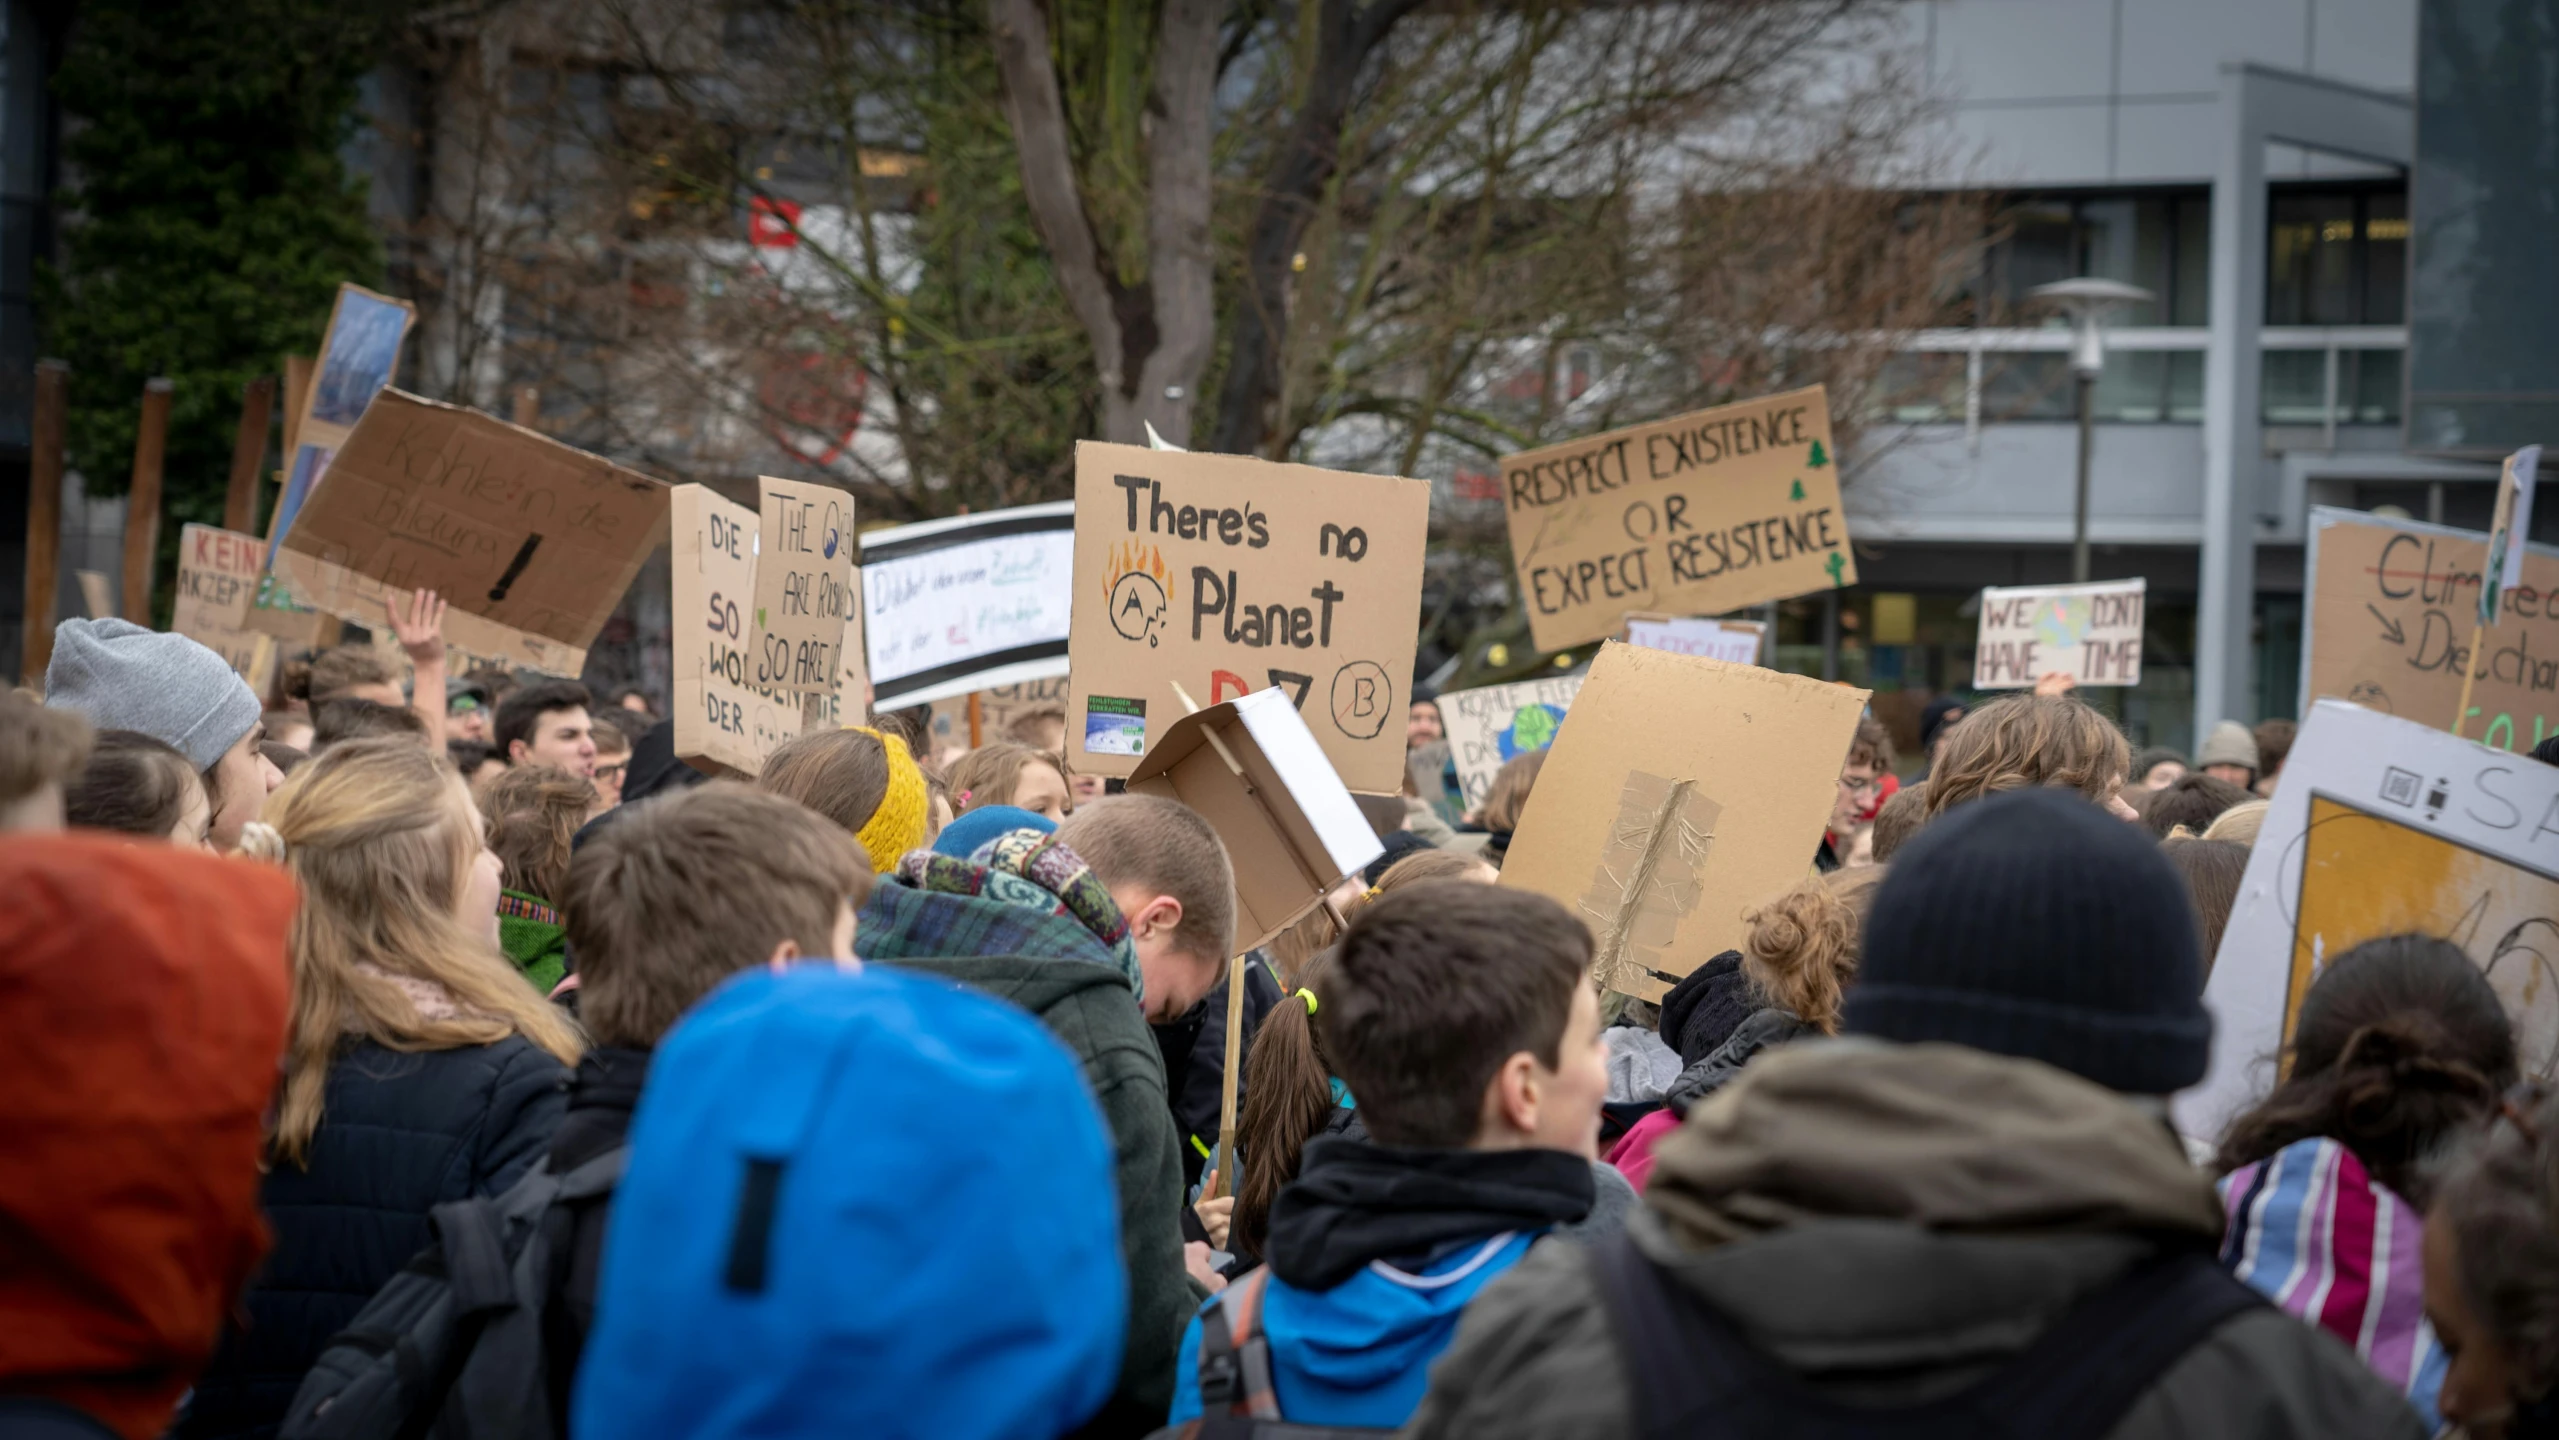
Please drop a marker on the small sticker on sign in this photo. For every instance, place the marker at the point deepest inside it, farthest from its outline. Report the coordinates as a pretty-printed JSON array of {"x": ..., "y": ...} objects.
[{"x": 1114, "y": 725}]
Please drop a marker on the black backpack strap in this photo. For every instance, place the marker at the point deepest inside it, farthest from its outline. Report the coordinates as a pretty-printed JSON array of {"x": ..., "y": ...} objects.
[
  {"x": 1235, "y": 1361},
  {"x": 1677, "y": 1354},
  {"x": 2081, "y": 1375}
]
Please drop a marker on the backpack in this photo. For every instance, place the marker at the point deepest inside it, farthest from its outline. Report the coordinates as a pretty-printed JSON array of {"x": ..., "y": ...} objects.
[
  {"x": 1696, "y": 1375},
  {"x": 1237, "y": 1401},
  {"x": 452, "y": 1347}
]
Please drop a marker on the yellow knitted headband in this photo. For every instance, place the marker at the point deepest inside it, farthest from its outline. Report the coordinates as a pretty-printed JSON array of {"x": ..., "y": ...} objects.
[{"x": 898, "y": 825}]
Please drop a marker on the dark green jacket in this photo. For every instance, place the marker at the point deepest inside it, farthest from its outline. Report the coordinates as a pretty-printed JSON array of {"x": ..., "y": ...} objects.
[{"x": 1087, "y": 1004}]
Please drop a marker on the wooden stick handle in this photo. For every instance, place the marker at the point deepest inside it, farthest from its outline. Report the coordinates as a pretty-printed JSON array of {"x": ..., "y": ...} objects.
[{"x": 2469, "y": 673}]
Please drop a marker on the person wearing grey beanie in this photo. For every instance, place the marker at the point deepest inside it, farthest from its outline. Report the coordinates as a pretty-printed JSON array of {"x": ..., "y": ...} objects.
[{"x": 120, "y": 676}]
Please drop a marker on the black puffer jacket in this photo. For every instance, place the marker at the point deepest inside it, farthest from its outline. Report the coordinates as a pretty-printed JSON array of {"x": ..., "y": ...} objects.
[
  {"x": 399, "y": 1134},
  {"x": 1194, "y": 1050}
]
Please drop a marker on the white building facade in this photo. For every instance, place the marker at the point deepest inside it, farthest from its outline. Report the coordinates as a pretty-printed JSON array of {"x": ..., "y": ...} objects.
[{"x": 2246, "y": 161}]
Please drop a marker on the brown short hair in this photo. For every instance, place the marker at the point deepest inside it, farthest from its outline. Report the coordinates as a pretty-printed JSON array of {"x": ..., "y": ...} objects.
[
  {"x": 1504, "y": 802},
  {"x": 39, "y": 746},
  {"x": 134, "y": 784},
  {"x": 1164, "y": 846},
  {"x": 334, "y": 672},
  {"x": 334, "y": 722},
  {"x": 1872, "y": 745},
  {"x": 2274, "y": 741},
  {"x": 686, "y": 889},
  {"x": 989, "y": 774},
  {"x": 1024, "y": 727},
  {"x": 2193, "y": 800},
  {"x": 2023, "y": 740},
  {"x": 1899, "y": 819},
  {"x": 1433, "y": 989},
  {"x": 2212, "y": 870},
  {"x": 610, "y": 737},
  {"x": 534, "y": 813},
  {"x": 1423, "y": 866},
  {"x": 840, "y": 774}
]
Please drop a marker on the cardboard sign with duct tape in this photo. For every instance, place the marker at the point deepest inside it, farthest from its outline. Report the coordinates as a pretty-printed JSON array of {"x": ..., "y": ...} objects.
[
  {"x": 1659, "y": 835},
  {"x": 1227, "y": 575},
  {"x": 1257, "y": 774},
  {"x": 1694, "y": 516},
  {"x": 532, "y": 542}
]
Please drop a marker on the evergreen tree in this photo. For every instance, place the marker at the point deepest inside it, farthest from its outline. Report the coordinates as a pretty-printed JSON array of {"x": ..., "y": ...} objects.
[{"x": 208, "y": 219}]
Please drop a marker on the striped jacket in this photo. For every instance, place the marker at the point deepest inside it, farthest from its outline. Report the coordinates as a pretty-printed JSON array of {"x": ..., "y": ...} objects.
[{"x": 2312, "y": 1230}]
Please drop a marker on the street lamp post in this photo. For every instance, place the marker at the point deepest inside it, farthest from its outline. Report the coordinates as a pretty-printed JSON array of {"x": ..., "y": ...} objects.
[{"x": 2086, "y": 302}]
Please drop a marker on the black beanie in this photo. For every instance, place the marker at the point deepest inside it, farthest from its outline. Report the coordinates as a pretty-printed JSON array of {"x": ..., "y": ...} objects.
[
  {"x": 1398, "y": 843},
  {"x": 2035, "y": 924},
  {"x": 1703, "y": 1010}
]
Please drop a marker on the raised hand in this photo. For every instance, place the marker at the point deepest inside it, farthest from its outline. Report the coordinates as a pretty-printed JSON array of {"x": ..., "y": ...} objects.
[{"x": 421, "y": 629}]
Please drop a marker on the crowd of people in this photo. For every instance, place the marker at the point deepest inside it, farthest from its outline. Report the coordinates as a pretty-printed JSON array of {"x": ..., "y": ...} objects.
[{"x": 404, "y": 1054}]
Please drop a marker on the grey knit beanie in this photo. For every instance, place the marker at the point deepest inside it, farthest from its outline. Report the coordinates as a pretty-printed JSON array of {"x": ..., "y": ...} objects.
[{"x": 123, "y": 677}]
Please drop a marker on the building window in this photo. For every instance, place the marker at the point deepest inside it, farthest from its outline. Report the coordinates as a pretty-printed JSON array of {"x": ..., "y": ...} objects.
[
  {"x": 2337, "y": 256},
  {"x": 2159, "y": 240}
]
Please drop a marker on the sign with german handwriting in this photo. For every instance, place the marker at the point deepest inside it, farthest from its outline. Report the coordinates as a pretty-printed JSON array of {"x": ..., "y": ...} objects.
[
  {"x": 217, "y": 572},
  {"x": 1706, "y": 513},
  {"x": 2091, "y": 633},
  {"x": 2388, "y": 619},
  {"x": 1492, "y": 725},
  {"x": 1227, "y": 575},
  {"x": 512, "y": 527},
  {"x": 803, "y": 585},
  {"x": 724, "y": 723},
  {"x": 969, "y": 602}
]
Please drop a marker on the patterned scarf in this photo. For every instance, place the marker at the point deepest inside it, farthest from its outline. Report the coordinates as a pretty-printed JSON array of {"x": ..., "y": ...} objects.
[{"x": 1034, "y": 871}]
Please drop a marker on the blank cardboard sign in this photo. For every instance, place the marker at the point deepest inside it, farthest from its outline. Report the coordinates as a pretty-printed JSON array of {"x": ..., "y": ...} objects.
[
  {"x": 1695, "y": 515},
  {"x": 1228, "y": 575},
  {"x": 507, "y": 525},
  {"x": 1290, "y": 826},
  {"x": 1684, "y": 792}
]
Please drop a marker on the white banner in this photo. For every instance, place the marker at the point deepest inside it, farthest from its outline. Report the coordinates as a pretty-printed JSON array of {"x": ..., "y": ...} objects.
[{"x": 967, "y": 603}]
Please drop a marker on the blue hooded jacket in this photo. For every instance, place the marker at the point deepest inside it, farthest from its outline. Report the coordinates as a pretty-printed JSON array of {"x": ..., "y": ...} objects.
[
  {"x": 1374, "y": 1251},
  {"x": 798, "y": 1249}
]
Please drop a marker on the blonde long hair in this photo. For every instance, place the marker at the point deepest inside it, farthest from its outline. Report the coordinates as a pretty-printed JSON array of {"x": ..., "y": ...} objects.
[{"x": 381, "y": 836}]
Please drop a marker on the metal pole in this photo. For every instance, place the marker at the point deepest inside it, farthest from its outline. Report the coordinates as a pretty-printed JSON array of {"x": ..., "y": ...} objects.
[{"x": 2087, "y": 448}]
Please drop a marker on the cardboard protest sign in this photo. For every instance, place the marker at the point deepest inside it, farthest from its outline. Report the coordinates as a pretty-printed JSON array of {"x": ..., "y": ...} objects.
[
  {"x": 2384, "y": 826},
  {"x": 1660, "y": 834},
  {"x": 2388, "y": 619},
  {"x": 997, "y": 708},
  {"x": 1254, "y": 770},
  {"x": 532, "y": 542},
  {"x": 2091, "y": 633},
  {"x": 1735, "y": 642},
  {"x": 974, "y": 602},
  {"x": 217, "y": 573},
  {"x": 803, "y": 585},
  {"x": 1701, "y": 514},
  {"x": 724, "y": 722},
  {"x": 1488, "y": 726},
  {"x": 1227, "y": 575}
]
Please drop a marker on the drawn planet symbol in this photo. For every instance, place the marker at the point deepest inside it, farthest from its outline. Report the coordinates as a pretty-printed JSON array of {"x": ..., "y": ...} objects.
[
  {"x": 1532, "y": 728},
  {"x": 831, "y": 535}
]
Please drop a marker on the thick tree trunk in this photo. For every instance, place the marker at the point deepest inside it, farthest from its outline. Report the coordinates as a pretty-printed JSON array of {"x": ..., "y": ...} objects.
[
  {"x": 1150, "y": 340},
  {"x": 1303, "y": 166}
]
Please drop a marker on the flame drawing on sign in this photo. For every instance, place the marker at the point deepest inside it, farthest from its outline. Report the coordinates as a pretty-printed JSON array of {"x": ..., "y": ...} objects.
[{"x": 1138, "y": 590}]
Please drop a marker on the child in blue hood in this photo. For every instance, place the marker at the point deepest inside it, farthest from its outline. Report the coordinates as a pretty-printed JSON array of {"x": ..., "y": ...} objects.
[{"x": 1459, "y": 1016}]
